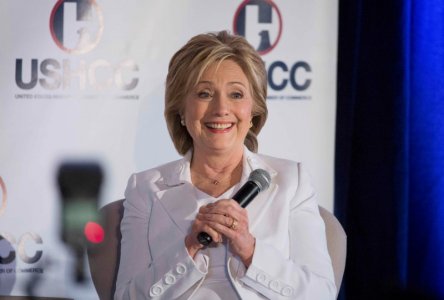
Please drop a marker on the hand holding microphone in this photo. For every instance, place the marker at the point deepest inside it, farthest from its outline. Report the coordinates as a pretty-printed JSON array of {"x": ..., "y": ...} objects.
[{"x": 259, "y": 180}]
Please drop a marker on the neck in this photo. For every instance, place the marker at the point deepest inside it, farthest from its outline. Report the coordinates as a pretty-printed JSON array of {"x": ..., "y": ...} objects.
[
  {"x": 215, "y": 164},
  {"x": 214, "y": 174}
]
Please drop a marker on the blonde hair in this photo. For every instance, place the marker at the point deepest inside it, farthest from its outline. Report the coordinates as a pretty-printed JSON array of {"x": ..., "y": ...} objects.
[{"x": 190, "y": 62}]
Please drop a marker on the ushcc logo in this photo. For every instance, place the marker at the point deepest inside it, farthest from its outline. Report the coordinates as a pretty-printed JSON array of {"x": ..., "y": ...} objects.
[
  {"x": 11, "y": 247},
  {"x": 260, "y": 22},
  {"x": 76, "y": 25}
]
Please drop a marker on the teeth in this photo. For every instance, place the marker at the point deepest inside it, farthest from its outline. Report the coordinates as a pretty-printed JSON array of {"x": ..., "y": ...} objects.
[{"x": 219, "y": 125}]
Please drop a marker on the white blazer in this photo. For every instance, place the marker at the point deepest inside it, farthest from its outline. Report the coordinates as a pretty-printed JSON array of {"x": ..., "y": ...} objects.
[{"x": 290, "y": 260}]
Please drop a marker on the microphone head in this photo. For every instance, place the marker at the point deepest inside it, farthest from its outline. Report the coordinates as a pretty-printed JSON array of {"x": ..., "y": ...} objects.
[{"x": 261, "y": 178}]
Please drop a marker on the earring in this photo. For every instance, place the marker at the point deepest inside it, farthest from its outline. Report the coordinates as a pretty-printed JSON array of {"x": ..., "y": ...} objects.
[
  {"x": 182, "y": 121},
  {"x": 251, "y": 123}
]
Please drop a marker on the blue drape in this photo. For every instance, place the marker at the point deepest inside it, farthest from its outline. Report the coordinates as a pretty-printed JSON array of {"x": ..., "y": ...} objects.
[
  {"x": 426, "y": 205},
  {"x": 389, "y": 181}
]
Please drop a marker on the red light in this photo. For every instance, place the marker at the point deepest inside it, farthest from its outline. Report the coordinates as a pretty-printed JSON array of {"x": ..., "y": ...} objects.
[{"x": 94, "y": 232}]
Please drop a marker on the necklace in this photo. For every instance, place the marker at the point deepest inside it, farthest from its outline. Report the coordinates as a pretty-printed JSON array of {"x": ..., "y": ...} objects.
[
  {"x": 217, "y": 181},
  {"x": 214, "y": 181}
]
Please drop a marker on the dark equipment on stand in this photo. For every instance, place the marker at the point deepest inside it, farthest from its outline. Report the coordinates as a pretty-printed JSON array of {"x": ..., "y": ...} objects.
[{"x": 79, "y": 185}]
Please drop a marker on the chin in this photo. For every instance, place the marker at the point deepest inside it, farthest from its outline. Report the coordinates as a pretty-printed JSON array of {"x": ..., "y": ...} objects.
[{"x": 227, "y": 148}]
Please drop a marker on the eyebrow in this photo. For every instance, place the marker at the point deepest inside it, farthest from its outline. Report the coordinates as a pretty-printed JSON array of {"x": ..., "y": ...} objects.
[{"x": 229, "y": 83}]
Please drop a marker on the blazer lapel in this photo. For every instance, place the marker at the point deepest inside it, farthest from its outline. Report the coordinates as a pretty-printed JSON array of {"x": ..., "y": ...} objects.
[
  {"x": 256, "y": 210},
  {"x": 258, "y": 207},
  {"x": 177, "y": 199},
  {"x": 180, "y": 205}
]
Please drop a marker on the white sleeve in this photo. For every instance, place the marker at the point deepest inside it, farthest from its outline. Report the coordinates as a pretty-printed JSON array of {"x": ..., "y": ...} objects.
[
  {"x": 308, "y": 272},
  {"x": 170, "y": 276}
]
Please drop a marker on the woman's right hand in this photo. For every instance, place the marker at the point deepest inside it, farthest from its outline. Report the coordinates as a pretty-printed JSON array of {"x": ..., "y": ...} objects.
[{"x": 192, "y": 243}]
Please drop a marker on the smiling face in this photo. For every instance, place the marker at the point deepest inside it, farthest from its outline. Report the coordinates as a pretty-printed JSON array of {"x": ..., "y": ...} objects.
[{"x": 218, "y": 110}]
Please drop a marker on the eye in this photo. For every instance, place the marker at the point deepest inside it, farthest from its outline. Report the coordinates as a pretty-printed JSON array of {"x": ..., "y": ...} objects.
[
  {"x": 204, "y": 94},
  {"x": 237, "y": 95}
]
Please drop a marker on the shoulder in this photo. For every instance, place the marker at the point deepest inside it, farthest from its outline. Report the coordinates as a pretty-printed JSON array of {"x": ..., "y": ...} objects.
[
  {"x": 282, "y": 166},
  {"x": 154, "y": 179},
  {"x": 290, "y": 175},
  {"x": 160, "y": 172}
]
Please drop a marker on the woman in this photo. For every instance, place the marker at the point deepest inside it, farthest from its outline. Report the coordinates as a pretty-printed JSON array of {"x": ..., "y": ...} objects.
[{"x": 275, "y": 248}]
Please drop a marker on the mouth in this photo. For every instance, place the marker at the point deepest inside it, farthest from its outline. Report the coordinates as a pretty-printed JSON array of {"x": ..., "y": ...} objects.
[{"x": 219, "y": 126}]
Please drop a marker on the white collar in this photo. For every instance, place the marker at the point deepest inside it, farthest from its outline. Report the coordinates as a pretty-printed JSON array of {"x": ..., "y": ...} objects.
[{"x": 182, "y": 173}]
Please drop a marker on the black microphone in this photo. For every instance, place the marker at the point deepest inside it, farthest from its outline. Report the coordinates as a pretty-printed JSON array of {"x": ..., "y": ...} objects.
[{"x": 258, "y": 181}]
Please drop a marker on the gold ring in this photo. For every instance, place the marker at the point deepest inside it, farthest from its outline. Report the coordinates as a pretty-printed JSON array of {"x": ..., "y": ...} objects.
[{"x": 234, "y": 224}]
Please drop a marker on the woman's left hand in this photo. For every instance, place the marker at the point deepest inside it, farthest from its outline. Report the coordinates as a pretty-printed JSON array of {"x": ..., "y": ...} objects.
[{"x": 228, "y": 218}]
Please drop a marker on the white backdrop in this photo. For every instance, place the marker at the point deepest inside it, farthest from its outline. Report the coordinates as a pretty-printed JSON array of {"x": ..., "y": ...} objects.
[{"x": 91, "y": 88}]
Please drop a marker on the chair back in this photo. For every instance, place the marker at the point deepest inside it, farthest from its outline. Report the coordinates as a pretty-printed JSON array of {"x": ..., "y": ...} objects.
[
  {"x": 336, "y": 244},
  {"x": 104, "y": 258}
]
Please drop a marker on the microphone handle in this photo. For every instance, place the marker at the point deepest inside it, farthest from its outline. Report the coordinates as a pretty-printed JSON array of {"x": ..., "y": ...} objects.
[
  {"x": 246, "y": 193},
  {"x": 243, "y": 196}
]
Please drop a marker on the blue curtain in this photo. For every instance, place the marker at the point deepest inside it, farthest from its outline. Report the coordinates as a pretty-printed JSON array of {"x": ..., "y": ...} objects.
[{"x": 389, "y": 181}]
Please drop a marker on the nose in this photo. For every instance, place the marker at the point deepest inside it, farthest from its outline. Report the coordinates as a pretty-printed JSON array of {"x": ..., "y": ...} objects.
[{"x": 220, "y": 105}]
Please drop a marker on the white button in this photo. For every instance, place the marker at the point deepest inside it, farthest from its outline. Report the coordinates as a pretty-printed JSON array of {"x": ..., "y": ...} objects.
[
  {"x": 181, "y": 269},
  {"x": 169, "y": 279},
  {"x": 261, "y": 278},
  {"x": 274, "y": 285},
  {"x": 156, "y": 290},
  {"x": 287, "y": 291}
]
